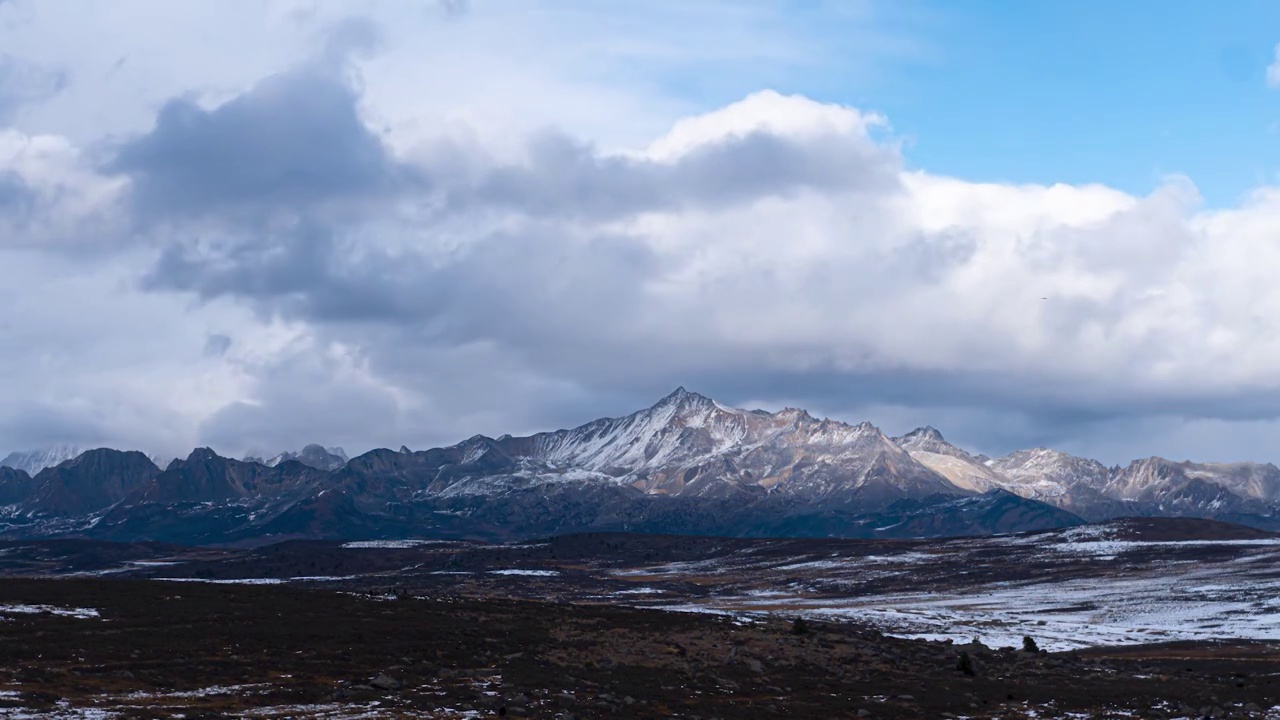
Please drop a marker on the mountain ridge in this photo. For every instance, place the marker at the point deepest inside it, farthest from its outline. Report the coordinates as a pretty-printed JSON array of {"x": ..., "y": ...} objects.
[{"x": 685, "y": 464}]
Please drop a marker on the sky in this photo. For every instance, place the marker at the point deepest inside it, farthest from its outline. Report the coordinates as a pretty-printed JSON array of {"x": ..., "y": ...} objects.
[{"x": 251, "y": 225}]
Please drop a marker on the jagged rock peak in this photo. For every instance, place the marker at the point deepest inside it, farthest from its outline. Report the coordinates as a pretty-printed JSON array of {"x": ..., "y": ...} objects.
[
  {"x": 928, "y": 432},
  {"x": 313, "y": 455},
  {"x": 202, "y": 454},
  {"x": 928, "y": 439},
  {"x": 404, "y": 450},
  {"x": 681, "y": 397},
  {"x": 317, "y": 448}
]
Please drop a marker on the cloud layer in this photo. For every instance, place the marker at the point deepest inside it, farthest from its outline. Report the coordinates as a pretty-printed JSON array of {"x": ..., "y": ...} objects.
[{"x": 296, "y": 258}]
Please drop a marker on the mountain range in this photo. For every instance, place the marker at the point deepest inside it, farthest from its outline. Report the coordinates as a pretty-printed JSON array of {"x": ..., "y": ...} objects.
[{"x": 688, "y": 464}]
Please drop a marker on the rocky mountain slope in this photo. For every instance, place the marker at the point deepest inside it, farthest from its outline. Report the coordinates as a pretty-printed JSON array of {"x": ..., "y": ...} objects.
[
  {"x": 685, "y": 465},
  {"x": 927, "y": 446},
  {"x": 90, "y": 482},
  {"x": 313, "y": 455}
]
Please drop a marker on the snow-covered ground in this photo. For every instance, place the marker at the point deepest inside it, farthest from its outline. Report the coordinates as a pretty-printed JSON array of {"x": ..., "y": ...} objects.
[
  {"x": 393, "y": 544},
  {"x": 1068, "y": 590},
  {"x": 1072, "y": 614},
  {"x": 261, "y": 581}
]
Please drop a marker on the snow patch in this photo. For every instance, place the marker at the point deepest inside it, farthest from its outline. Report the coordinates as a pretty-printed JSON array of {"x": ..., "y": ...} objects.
[
  {"x": 20, "y": 609},
  {"x": 393, "y": 544}
]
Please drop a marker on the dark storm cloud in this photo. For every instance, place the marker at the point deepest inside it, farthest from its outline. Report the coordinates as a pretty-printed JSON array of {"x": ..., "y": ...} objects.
[
  {"x": 293, "y": 140},
  {"x": 36, "y": 424},
  {"x": 304, "y": 272},
  {"x": 511, "y": 289},
  {"x": 565, "y": 178}
]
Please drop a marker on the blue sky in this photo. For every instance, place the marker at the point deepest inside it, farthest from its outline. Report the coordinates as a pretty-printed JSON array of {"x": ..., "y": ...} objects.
[{"x": 1049, "y": 91}]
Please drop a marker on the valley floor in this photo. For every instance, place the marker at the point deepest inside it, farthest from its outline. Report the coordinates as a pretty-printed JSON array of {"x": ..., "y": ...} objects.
[
  {"x": 1138, "y": 618},
  {"x": 93, "y": 648}
]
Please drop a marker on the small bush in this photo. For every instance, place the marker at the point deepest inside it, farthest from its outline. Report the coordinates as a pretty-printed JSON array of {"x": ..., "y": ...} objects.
[
  {"x": 1029, "y": 645},
  {"x": 799, "y": 627}
]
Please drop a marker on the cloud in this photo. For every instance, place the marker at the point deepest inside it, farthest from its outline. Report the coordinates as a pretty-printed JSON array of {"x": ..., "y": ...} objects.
[
  {"x": 773, "y": 248},
  {"x": 15, "y": 195},
  {"x": 1273, "y": 70},
  {"x": 371, "y": 248},
  {"x": 51, "y": 198},
  {"x": 349, "y": 38},
  {"x": 563, "y": 178},
  {"x": 137, "y": 376},
  {"x": 302, "y": 271},
  {"x": 23, "y": 83},
  {"x": 454, "y": 8},
  {"x": 217, "y": 345},
  {"x": 294, "y": 139},
  {"x": 296, "y": 395}
]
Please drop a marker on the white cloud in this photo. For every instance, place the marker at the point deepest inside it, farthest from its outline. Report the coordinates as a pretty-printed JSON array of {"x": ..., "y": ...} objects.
[
  {"x": 775, "y": 248},
  {"x": 1273, "y": 70}
]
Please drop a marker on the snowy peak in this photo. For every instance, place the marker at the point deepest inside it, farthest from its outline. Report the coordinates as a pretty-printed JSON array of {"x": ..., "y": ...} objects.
[
  {"x": 928, "y": 433},
  {"x": 313, "y": 455},
  {"x": 1145, "y": 478},
  {"x": 680, "y": 397},
  {"x": 679, "y": 425},
  {"x": 1044, "y": 474},
  {"x": 33, "y": 461},
  {"x": 1154, "y": 477},
  {"x": 927, "y": 446},
  {"x": 687, "y": 443},
  {"x": 928, "y": 439},
  {"x": 1259, "y": 481}
]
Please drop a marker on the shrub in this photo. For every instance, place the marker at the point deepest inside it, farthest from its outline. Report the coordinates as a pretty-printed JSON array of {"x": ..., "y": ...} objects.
[{"x": 1029, "y": 645}]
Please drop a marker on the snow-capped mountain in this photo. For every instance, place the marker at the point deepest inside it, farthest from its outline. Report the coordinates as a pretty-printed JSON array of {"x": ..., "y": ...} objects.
[
  {"x": 687, "y": 464},
  {"x": 966, "y": 471},
  {"x": 688, "y": 444},
  {"x": 33, "y": 461},
  {"x": 1186, "y": 488},
  {"x": 1044, "y": 473},
  {"x": 1248, "y": 492}
]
